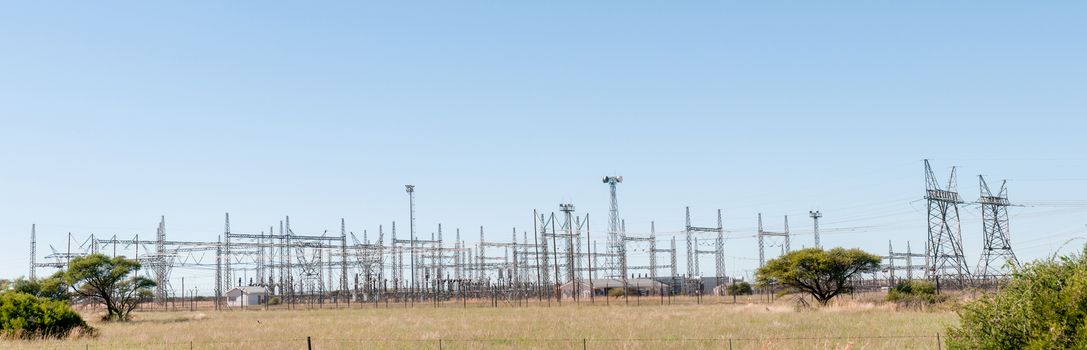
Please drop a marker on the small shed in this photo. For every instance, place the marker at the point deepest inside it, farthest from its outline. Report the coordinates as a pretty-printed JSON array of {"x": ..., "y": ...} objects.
[{"x": 246, "y": 296}]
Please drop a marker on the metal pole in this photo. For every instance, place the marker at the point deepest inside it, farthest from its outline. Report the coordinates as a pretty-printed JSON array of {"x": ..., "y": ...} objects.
[{"x": 536, "y": 246}]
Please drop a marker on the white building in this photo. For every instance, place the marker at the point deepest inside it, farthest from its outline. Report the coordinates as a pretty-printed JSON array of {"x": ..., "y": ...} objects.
[{"x": 246, "y": 296}]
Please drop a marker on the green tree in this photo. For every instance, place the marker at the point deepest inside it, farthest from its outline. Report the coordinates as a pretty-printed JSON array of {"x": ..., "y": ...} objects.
[
  {"x": 112, "y": 282},
  {"x": 53, "y": 287},
  {"x": 824, "y": 274},
  {"x": 742, "y": 288},
  {"x": 26, "y": 316},
  {"x": 1043, "y": 306}
]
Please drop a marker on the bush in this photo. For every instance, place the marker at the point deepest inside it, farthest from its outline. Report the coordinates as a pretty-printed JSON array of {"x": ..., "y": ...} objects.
[
  {"x": 1043, "y": 306},
  {"x": 274, "y": 301},
  {"x": 742, "y": 288},
  {"x": 909, "y": 290},
  {"x": 26, "y": 316},
  {"x": 52, "y": 287},
  {"x": 616, "y": 292},
  {"x": 915, "y": 294}
]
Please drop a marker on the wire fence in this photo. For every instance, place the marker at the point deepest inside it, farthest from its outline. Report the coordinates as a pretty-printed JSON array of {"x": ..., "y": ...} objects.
[{"x": 934, "y": 341}]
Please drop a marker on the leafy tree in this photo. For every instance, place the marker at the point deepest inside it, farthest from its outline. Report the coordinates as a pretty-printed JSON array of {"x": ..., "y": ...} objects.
[
  {"x": 823, "y": 274},
  {"x": 99, "y": 278},
  {"x": 26, "y": 316},
  {"x": 53, "y": 287},
  {"x": 1043, "y": 306},
  {"x": 4, "y": 285},
  {"x": 742, "y": 288}
]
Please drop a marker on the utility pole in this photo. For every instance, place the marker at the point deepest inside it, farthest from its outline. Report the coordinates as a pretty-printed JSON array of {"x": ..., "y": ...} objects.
[
  {"x": 343, "y": 260},
  {"x": 218, "y": 272}
]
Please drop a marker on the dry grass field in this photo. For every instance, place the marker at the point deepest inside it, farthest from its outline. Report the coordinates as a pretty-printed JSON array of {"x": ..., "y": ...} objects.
[{"x": 851, "y": 325}]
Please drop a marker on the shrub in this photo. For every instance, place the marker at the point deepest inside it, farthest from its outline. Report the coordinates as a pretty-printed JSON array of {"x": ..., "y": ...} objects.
[
  {"x": 908, "y": 290},
  {"x": 26, "y": 316},
  {"x": 53, "y": 287},
  {"x": 1043, "y": 306},
  {"x": 616, "y": 292},
  {"x": 274, "y": 301},
  {"x": 742, "y": 288}
]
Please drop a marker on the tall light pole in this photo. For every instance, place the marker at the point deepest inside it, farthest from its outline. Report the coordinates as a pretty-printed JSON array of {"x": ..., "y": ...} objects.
[
  {"x": 815, "y": 215},
  {"x": 614, "y": 244},
  {"x": 411, "y": 231}
]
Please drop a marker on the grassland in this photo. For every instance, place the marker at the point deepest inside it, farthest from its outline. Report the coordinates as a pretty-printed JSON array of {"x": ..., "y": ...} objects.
[{"x": 852, "y": 325}]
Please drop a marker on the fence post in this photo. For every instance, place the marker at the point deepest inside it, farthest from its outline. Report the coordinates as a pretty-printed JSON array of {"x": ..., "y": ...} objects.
[
  {"x": 584, "y": 344},
  {"x": 730, "y": 341},
  {"x": 939, "y": 344},
  {"x": 439, "y": 343},
  {"x": 309, "y": 343}
]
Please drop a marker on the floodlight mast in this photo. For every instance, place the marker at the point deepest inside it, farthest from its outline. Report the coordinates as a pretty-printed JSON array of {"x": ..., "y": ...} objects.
[
  {"x": 614, "y": 243},
  {"x": 815, "y": 215},
  {"x": 410, "y": 189}
]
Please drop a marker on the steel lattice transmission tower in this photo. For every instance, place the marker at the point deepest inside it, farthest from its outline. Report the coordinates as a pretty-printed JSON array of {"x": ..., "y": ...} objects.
[
  {"x": 815, "y": 216},
  {"x": 161, "y": 263},
  {"x": 33, "y": 251},
  {"x": 226, "y": 256},
  {"x": 615, "y": 244},
  {"x": 996, "y": 254},
  {"x": 762, "y": 234},
  {"x": 718, "y": 247},
  {"x": 944, "y": 231}
]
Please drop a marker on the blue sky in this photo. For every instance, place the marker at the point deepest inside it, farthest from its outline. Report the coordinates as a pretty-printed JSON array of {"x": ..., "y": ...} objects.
[{"x": 115, "y": 113}]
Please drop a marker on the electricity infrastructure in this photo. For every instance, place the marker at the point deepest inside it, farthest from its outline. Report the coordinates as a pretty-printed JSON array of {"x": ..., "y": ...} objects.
[
  {"x": 997, "y": 256},
  {"x": 317, "y": 268},
  {"x": 784, "y": 242},
  {"x": 693, "y": 252},
  {"x": 615, "y": 243},
  {"x": 945, "y": 253},
  {"x": 815, "y": 216},
  {"x": 905, "y": 262}
]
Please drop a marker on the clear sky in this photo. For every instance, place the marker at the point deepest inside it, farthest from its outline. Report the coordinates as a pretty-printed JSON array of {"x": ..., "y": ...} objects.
[{"x": 114, "y": 113}]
